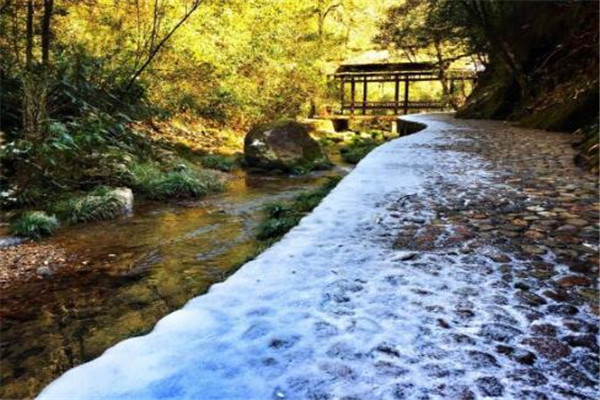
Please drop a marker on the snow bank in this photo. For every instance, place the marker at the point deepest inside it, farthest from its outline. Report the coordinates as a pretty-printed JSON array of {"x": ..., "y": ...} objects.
[{"x": 267, "y": 322}]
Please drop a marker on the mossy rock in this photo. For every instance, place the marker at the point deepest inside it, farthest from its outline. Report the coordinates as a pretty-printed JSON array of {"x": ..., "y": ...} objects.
[{"x": 284, "y": 145}]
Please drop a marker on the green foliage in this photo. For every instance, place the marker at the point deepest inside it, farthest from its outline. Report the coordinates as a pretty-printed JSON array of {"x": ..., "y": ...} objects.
[
  {"x": 319, "y": 164},
  {"x": 219, "y": 162},
  {"x": 184, "y": 181},
  {"x": 100, "y": 204},
  {"x": 88, "y": 151},
  {"x": 306, "y": 202},
  {"x": 86, "y": 82},
  {"x": 34, "y": 225},
  {"x": 277, "y": 227},
  {"x": 281, "y": 217},
  {"x": 357, "y": 149},
  {"x": 234, "y": 63}
]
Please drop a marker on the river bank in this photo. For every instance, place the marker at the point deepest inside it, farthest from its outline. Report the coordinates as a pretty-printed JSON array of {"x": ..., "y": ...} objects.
[
  {"x": 22, "y": 260},
  {"x": 114, "y": 279}
]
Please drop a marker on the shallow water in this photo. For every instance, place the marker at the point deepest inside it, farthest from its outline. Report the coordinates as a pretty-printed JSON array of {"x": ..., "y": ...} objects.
[{"x": 127, "y": 274}]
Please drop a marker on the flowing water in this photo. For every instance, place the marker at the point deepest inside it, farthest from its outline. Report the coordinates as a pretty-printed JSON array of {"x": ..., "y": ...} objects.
[{"x": 128, "y": 274}]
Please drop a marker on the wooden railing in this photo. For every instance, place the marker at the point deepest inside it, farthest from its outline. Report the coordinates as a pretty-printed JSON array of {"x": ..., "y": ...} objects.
[{"x": 359, "y": 106}]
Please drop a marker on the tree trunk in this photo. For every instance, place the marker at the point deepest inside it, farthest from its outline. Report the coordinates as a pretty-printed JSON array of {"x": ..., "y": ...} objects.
[
  {"x": 29, "y": 37},
  {"x": 30, "y": 110},
  {"x": 447, "y": 97},
  {"x": 35, "y": 83},
  {"x": 323, "y": 11},
  {"x": 46, "y": 32},
  {"x": 34, "y": 106}
]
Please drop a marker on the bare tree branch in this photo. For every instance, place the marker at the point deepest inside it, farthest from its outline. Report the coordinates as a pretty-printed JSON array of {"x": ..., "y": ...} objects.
[
  {"x": 331, "y": 8},
  {"x": 155, "y": 50}
]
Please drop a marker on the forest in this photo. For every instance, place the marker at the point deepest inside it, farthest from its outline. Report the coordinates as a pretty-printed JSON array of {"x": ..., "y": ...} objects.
[
  {"x": 151, "y": 148},
  {"x": 95, "y": 94}
]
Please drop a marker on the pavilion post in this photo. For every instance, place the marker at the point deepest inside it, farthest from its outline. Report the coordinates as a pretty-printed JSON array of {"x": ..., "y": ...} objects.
[
  {"x": 396, "y": 93},
  {"x": 406, "y": 94},
  {"x": 342, "y": 94},
  {"x": 352, "y": 92},
  {"x": 364, "y": 104}
]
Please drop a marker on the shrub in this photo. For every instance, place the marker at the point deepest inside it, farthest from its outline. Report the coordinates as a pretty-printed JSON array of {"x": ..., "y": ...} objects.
[
  {"x": 219, "y": 162},
  {"x": 34, "y": 224},
  {"x": 277, "y": 227},
  {"x": 142, "y": 177},
  {"x": 276, "y": 210},
  {"x": 100, "y": 204},
  {"x": 183, "y": 184},
  {"x": 358, "y": 149},
  {"x": 307, "y": 201},
  {"x": 283, "y": 217},
  {"x": 184, "y": 181}
]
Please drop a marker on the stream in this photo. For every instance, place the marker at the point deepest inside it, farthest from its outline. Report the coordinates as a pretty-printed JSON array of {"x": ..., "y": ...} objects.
[{"x": 130, "y": 273}]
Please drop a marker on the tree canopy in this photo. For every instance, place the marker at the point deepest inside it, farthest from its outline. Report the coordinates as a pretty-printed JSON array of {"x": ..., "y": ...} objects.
[{"x": 76, "y": 74}]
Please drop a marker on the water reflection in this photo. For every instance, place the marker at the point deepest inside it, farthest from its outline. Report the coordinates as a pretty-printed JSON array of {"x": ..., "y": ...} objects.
[{"x": 128, "y": 274}]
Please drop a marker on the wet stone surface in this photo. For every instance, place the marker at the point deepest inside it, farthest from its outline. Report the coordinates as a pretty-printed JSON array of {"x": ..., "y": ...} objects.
[{"x": 532, "y": 222}]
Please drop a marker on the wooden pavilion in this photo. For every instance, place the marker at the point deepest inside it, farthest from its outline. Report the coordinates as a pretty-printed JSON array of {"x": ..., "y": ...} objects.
[{"x": 401, "y": 75}]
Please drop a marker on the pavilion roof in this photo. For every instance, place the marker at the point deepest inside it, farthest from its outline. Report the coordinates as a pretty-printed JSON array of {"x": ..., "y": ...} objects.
[{"x": 383, "y": 68}]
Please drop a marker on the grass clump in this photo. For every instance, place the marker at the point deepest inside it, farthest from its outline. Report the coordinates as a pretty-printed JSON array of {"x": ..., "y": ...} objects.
[
  {"x": 219, "y": 162},
  {"x": 101, "y": 203},
  {"x": 357, "y": 150},
  {"x": 281, "y": 217},
  {"x": 34, "y": 225},
  {"x": 276, "y": 227},
  {"x": 181, "y": 182}
]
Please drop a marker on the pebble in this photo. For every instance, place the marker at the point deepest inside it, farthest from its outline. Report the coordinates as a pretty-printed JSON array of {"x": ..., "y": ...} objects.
[
  {"x": 519, "y": 355},
  {"x": 490, "y": 386},
  {"x": 528, "y": 376},
  {"x": 572, "y": 375},
  {"x": 577, "y": 222},
  {"x": 543, "y": 330},
  {"x": 405, "y": 255},
  {"x": 530, "y": 298},
  {"x": 535, "y": 208},
  {"x": 570, "y": 281},
  {"x": 588, "y": 341},
  {"x": 550, "y": 209},
  {"x": 534, "y": 235},
  {"x": 499, "y": 332},
  {"x": 530, "y": 249},
  {"x": 44, "y": 271},
  {"x": 549, "y": 348},
  {"x": 562, "y": 309}
]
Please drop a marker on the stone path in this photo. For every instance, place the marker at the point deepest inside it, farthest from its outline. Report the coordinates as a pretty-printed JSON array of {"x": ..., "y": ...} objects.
[{"x": 460, "y": 262}]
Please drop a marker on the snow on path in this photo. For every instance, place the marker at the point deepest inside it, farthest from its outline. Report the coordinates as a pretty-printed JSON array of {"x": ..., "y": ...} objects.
[{"x": 334, "y": 311}]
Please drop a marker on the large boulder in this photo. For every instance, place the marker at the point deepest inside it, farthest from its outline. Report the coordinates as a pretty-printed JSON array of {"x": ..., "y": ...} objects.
[{"x": 285, "y": 145}]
